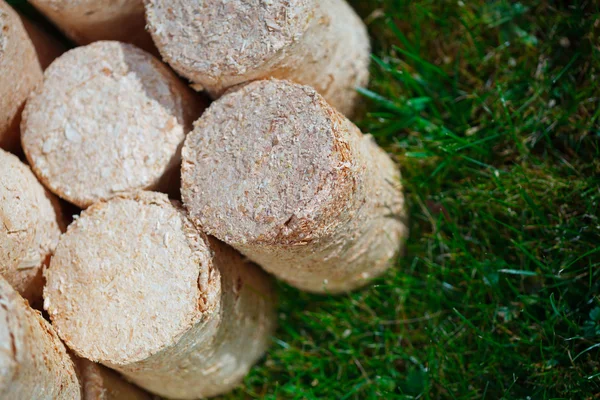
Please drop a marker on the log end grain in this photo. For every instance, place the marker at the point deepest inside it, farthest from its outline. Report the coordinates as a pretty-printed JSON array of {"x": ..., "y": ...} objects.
[
  {"x": 109, "y": 119},
  {"x": 129, "y": 277},
  {"x": 30, "y": 225},
  {"x": 215, "y": 355},
  {"x": 302, "y": 191},
  {"x": 205, "y": 41},
  {"x": 34, "y": 363},
  {"x": 20, "y": 73},
  {"x": 135, "y": 286},
  {"x": 271, "y": 148},
  {"x": 218, "y": 45}
]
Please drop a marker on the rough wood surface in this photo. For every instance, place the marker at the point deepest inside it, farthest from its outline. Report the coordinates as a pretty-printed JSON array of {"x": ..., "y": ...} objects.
[
  {"x": 108, "y": 119},
  {"x": 30, "y": 225},
  {"x": 20, "y": 73},
  {"x": 87, "y": 21},
  {"x": 34, "y": 364},
  {"x": 133, "y": 285},
  {"x": 100, "y": 383},
  {"x": 219, "y": 44},
  {"x": 301, "y": 190}
]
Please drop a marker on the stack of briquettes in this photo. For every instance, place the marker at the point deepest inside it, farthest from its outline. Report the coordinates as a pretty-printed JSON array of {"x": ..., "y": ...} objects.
[{"x": 141, "y": 220}]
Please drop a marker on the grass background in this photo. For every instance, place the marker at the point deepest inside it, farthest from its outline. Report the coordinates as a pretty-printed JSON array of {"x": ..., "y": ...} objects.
[{"x": 491, "y": 109}]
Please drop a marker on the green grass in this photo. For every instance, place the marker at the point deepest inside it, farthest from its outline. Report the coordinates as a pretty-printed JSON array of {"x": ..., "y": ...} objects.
[{"x": 491, "y": 108}]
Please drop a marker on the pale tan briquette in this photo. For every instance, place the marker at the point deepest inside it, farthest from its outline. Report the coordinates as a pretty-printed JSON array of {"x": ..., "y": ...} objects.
[
  {"x": 47, "y": 47},
  {"x": 135, "y": 286},
  {"x": 101, "y": 383},
  {"x": 30, "y": 225},
  {"x": 217, "y": 44},
  {"x": 301, "y": 190},
  {"x": 34, "y": 364},
  {"x": 87, "y": 21},
  {"x": 20, "y": 73},
  {"x": 108, "y": 119}
]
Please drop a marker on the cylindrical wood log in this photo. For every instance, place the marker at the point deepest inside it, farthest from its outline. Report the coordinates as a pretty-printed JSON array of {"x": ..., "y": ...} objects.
[
  {"x": 133, "y": 285},
  {"x": 20, "y": 73},
  {"x": 219, "y": 44},
  {"x": 30, "y": 225},
  {"x": 87, "y": 21},
  {"x": 301, "y": 191},
  {"x": 34, "y": 364},
  {"x": 108, "y": 119},
  {"x": 100, "y": 383}
]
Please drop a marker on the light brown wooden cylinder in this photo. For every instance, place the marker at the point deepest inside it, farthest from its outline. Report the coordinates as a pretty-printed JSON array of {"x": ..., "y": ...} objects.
[
  {"x": 33, "y": 362},
  {"x": 87, "y": 21},
  {"x": 101, "y": 383},
  {"x": 135, "y": 286},
  {"x": 217, "y": 44},
  {"x": 108, "y": 119},
  {"x": 20, "y": 73},
  {"x": 47, "y": 47},
  {"x": 301, "y": 191},
  {"x": 30, "y": 225}
]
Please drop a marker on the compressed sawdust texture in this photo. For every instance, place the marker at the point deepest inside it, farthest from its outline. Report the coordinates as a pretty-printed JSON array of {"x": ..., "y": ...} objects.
[
  {"x": 30, "y": 227},
  {"x": 135, "y": 286},
  {"x": 108, "y": 119},
  {"x": 20, "y": 72},
  {"x": 301, "y": 190},
  {"x": 87, "y": 21},
  {"x": 33, "y": 361},
  {"x": 219, "y": 44}
]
